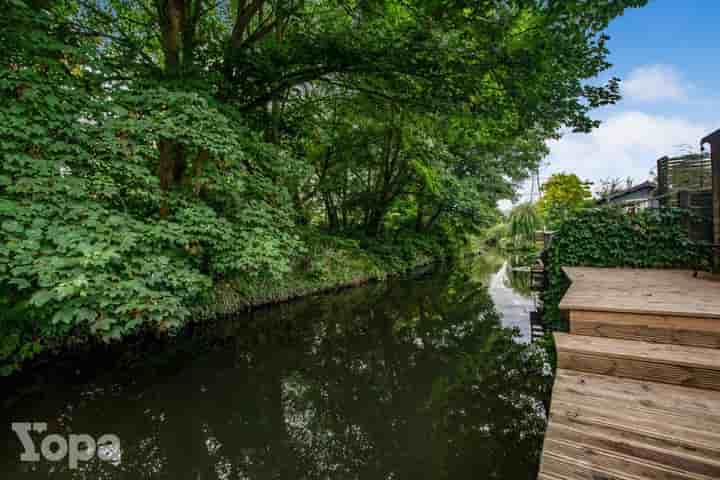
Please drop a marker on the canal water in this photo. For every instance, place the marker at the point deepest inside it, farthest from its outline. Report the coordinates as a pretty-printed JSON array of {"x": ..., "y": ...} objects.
[{"x": 418, "y": 378}]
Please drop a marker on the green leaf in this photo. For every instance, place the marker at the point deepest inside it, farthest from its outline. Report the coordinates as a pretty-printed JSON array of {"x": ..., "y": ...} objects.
[
  {"x": 12, "y": 226},
  {"x": 66, "y": 316},
  {"x": 42, "y": 297}
]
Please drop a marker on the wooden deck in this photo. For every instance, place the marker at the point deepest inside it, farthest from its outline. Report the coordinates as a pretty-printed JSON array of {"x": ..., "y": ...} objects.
[
  {"x": 637, "y": 391},
  {"x": 604, "y": 427},
  {"x": 665, "y": 306},
  {"x": 643, "y": 291}
]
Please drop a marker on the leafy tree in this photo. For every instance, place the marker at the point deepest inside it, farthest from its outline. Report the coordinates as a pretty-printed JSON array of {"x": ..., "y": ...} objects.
[
  {"x": 524, "y": 222},
  {"x": 564, "y": 194},
  {"x": 154, "y": 150}
]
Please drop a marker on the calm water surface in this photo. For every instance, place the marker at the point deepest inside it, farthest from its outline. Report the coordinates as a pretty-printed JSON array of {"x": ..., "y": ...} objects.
[{"x": 413, "y": 379}]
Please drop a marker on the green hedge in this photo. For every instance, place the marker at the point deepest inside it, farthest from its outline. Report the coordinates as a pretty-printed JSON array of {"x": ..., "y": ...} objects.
[{"x": 609, "y": 237}]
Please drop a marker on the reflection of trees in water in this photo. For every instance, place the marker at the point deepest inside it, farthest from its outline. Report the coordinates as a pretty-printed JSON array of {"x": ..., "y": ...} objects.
[
  {"x": 519, "y": 279},
  {"x": 417, "y": 380}
]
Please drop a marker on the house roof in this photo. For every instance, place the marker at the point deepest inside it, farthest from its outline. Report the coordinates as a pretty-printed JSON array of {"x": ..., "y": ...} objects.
[
  {"x": 636, "y": 188},
  {"x": 713, "y": 138}
]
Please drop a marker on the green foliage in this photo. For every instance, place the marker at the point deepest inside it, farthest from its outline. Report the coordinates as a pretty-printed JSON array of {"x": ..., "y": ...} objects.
[
  {"x": 524, "y": 222},
  {"x": 153, "y": 154},
  {"x": 519, "y": 279},
  {"x": 564, "y": 195},
  {"x": 496, "y": 234},
  {"x": 330, "y": 262},
  {"x": 609, "y": 237},
  {"x": 85, "y": 249},
  {"x": 516, "y": 237}
]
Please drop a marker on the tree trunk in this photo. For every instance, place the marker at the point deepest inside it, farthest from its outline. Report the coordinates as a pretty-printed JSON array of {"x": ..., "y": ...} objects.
[
  {"x": 171, "y": 168},
  {"x": 434, "y": 218},
  {"x": 172, "y": 21},
  {"x": 375, "y": 220},
  {"x": 177, "y": 30},
  {"x": 332, "y": 216},
  {"x": 419, "y": 217}
]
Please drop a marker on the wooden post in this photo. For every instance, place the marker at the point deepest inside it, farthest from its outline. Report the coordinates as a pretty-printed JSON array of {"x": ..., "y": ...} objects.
[
  {"x": 714, "y": 140},
  {"x": 716, "y": 190},
  {"x": 683, "y": 201},
  {"x": 662, "y": 187}
]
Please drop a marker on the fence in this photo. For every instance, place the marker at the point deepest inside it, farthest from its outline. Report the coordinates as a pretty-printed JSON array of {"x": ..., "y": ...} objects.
[
  {"x": 686, "y": 182},
  {"x": 700, "y": 225},
  {"x": 692, "y": 173}
]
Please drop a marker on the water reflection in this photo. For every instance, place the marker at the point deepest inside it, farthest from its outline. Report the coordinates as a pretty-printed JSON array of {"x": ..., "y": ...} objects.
[
  {"x": 416, "y": 379},
  {"x": 510, "y": 290}
]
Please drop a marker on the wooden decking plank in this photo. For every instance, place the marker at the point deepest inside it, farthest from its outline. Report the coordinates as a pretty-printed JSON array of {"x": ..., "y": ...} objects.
[
  {"x": 571, "y": 468},
  {"x": 647, "y": 334},
  {"x": 649, "y": 291},
  {"x": 692, "y": 434},
  {"x": 674, "y": 364},
  {"x": 660, "y": 396},
  {"x": 618, "y": 464},
  {"x": 642, "y": 370},
  {"x": 662, "y": 431},
  {"x": 653, "y": 320},
  {"x": 644, "y": 448},
  {"x": 682, "y": 355},
  {"x": 604, "y": 427},
  {"x": 607, "y": 405},
  {"x": 700, "y": 332},
  {"x": 547, "y": 476}
]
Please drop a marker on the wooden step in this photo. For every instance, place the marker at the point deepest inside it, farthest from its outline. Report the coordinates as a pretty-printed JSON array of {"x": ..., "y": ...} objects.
[
  {"x": 604, "y": 427},
  {"x": 656, "y": 362},
  {"x": 691, "y": 331},
  {"x": 679, "y": 293},
  {"x": 586, "y": 462}
]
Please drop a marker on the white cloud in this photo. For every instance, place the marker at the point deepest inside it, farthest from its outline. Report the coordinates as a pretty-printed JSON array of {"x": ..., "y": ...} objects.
[
  {"x": 627, "y": 144},
  {"x": 654, "y": 82}
]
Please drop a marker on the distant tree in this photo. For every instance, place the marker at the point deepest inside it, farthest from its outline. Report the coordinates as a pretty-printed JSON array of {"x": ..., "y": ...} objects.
[
  {"x": 524, "y": 221},
  {"x": 563, "y": 195},
  {"x": 610, "y": 186}
]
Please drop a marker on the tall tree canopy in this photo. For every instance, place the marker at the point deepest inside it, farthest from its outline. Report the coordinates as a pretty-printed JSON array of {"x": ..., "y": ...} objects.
[
  {"x": 152, "y": 148},
  {"x": 564, "y": 194}
]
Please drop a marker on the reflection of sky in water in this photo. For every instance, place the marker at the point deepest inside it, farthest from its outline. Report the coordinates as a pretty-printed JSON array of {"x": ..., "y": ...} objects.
[{"x": 513, "y": 306}]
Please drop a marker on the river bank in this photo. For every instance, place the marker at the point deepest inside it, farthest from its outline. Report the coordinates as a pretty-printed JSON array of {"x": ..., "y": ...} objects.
[
  {"x": 30, "y": 339},
  {"x": 232, "y": 299},
  {"x": 83, "y": 356},
  {"x": 333, "y": 270}
]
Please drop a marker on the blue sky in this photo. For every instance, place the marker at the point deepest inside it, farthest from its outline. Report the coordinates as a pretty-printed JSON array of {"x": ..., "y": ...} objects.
[{"x": 667, "y": 55}]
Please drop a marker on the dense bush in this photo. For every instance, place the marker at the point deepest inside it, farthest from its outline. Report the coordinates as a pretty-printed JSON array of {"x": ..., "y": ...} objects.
[{"x": 609, "y": 237}]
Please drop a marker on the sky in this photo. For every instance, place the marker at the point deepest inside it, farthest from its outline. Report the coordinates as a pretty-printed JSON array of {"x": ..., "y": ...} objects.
[{"x": 666, "y": 55}]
